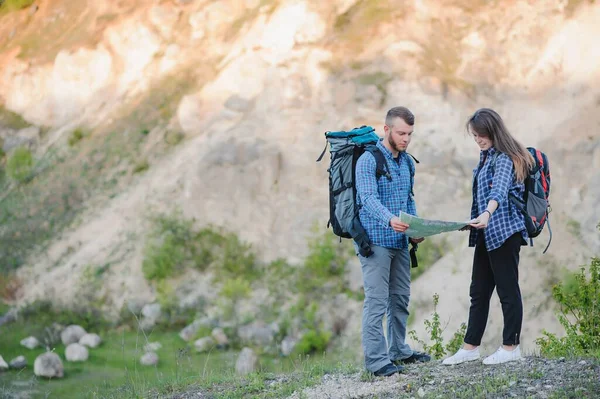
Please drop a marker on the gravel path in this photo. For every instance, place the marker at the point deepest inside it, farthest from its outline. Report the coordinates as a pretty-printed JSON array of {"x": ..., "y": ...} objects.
[{"x": 529, "y": 378}]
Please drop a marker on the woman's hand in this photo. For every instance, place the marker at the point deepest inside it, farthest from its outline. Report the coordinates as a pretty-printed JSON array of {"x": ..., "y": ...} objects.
[{"x": 481, "y": 222}]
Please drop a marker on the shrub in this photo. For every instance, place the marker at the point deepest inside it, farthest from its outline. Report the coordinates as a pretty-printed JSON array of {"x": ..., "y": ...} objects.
[
  {"x": 12, "y": 5},
  {"x": 314, "y": 339},
  {"x": 238, "y": 258},
  {"x": 174, "y": 245},
  {"x": 141, "y": 166},
  {"x": 435, "y": 330},
  {"x": 20, "y": 165},
  {"x": 579, "y": 315},
  {"x": 76, "y": 136}
]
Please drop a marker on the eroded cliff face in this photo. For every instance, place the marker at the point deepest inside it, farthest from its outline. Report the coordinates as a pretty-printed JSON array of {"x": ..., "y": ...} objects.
[{"x": 252, "y": 86}]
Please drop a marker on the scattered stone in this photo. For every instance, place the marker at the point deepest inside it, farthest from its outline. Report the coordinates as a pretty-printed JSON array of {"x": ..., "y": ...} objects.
[
  {"x": 149, "y": 359},
  {"x": 583, "y": 362},
  {"x": 18, "y": 363},
  {"x": 257, "y": 333},
  {"x": 421, "y": 393},
  {"x": 204, "y": 344},
  {"x": 30, "y": 342},
  {"x": 90, "y": 340},
  {"x": 220, "y": 338},
  {"x": 135, "y": 305},
  {"x": 48, "y": 365},
  {"x": 9, "y": 317},
  {"x": 3, "y": 365},
  {"x": 562, "y": 359},
  {"x": 238, "y": 104},
  {"x": 147, "y": 324},
  {"x": 76, "y": 353},
  {"x": 72, "y": 334},
  {"x": 152, "y": 346},
  {"x": 287, "y": 345},
  {"x": 530, "y": 389},
  {"x": 151, "y": 311},
  {"x": 247, "y": 362},
  {"x": 189, "y": 332}
]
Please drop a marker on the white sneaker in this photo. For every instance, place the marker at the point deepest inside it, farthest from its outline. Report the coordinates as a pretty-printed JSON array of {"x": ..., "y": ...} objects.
[
  {"x": 462, "y": 356},
  {"x": 503, "y": 356}
]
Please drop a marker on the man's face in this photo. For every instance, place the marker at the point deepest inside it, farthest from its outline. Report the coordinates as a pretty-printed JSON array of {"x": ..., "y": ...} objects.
[{"x": 399, "y": 134}]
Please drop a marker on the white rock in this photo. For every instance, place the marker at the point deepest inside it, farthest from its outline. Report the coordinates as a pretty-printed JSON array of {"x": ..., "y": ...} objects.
[
  {"x": 204, "y": 344},
  {"x": 189, "y": 332},
  {"x": 219, "y": 336},
  {"x": 149, "y": 359},
  {"x": 18, "y": 362},
  {"x": 247, "y": 362},
  {"x": 287, "y": 345},
  {"x": 90, "y": 340},
  {"x": 76, "y": 353},
  {"x": 152, "y": 346},
  {"x": 30, "y": 342},
  {"x": 3, "y": 364},
  {"x": 72, "y": 334},
  {"x": 151, "y": 311},
  {"x": 421, "y": 393},
  {"x": 48, "y": 365}
]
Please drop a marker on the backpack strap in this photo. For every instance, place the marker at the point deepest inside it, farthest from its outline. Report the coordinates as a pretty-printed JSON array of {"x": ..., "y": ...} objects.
[
  {"x": 382, "y": 168},
  {"x": 324, "y": 149},
  {"x": 411, "y": 168}
]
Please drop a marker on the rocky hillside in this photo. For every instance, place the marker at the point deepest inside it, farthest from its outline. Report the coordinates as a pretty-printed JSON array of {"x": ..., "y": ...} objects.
[{"x": 219, "y": 109}]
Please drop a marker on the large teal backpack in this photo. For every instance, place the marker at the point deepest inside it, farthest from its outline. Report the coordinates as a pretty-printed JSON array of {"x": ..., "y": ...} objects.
[{"x": 345, "y": 148}]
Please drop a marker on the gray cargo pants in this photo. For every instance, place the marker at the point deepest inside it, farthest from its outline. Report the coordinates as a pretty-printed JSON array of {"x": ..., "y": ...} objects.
[{"x": 386, "y": 278}]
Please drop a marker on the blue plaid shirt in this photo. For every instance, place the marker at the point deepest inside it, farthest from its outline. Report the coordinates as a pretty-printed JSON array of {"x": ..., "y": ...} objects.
[
  {"x": 380, "y": 200},
  {"x": 507, "y": 219}
]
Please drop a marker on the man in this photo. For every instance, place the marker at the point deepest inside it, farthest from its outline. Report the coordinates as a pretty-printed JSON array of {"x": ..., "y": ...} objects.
[{"x": 386, "y": 273}]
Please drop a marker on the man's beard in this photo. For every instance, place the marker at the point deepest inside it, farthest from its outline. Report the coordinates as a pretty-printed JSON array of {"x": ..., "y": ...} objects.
[{"x": 394, "y": 145}]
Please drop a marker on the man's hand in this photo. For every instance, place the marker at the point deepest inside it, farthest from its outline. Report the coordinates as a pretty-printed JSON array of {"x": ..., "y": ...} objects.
[
  {"x": 417, "y": 240},
  {"x": 397, "y": 225},
  {"x": 481, "y": 222}
]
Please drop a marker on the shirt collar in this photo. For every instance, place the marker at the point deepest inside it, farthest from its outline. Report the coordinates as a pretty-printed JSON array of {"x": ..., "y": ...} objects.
[
  {"x": 385, "y": 150},
  {"x": 489, "y": 152}
]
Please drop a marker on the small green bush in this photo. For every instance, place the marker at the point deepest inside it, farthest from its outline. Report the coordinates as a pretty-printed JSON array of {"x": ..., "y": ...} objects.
[
  {"x": 435, "y": 330},
  {"x": 13, "y": 5},
  {"x": 238, "y": 258},
  {"x": 174, "y": 245},
  {"x": 141, "y": 166},
  {"x": 20, "y": 165},
  {"x": 313, "y": 341},
  {"x": 325, "y": 264},
  {"x": 76, "y": 136},
  {"x": 579, "y": 315}
]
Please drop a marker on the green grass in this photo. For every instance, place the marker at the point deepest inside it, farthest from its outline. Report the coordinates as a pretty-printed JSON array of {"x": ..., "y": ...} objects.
[
  {"x": 11, "y": 119},
  {"x": 14, "y": 5},
  {"x": 113, "y": 369}
]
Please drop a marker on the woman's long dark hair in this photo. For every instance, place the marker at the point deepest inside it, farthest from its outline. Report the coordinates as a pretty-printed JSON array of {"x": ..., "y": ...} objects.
[{"x": 486, "y": 122}]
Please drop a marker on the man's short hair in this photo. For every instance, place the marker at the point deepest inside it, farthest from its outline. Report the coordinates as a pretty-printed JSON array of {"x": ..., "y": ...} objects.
[{"x": 400, "y": 112}]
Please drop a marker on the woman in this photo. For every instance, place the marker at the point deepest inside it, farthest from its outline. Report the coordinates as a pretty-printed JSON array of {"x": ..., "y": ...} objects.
[{"x": 497, "y": 231}]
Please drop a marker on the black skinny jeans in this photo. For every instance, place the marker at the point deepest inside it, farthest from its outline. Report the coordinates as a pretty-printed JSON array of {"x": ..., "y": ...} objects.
[{"x": 496, "y": 269}]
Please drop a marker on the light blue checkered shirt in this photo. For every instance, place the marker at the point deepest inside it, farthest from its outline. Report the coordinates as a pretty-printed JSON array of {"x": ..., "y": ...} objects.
[
  {"x": 507, "y": 219},
  {"x": 380, "y": 200}
]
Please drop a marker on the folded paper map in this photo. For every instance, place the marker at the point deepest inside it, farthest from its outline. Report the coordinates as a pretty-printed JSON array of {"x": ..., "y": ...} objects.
[{"x": 425, "y": 227}]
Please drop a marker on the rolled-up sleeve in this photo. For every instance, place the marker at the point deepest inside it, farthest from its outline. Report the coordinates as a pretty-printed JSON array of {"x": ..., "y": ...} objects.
[
  {"x": 366, "y": 187},
  {"x": 504, "y": 173}
]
